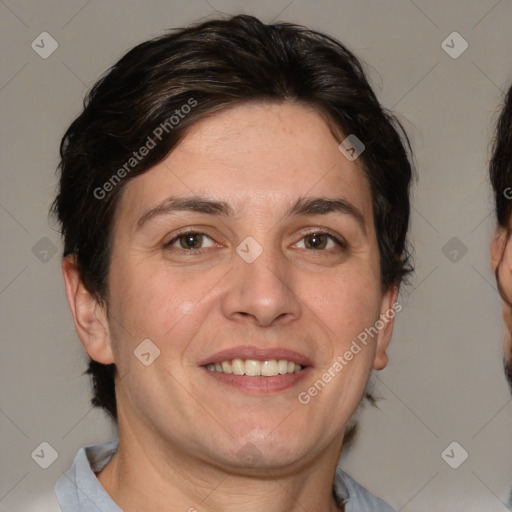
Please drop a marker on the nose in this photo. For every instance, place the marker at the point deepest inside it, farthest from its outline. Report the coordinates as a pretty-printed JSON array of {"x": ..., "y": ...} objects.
[{"x": 262, "y": 291}]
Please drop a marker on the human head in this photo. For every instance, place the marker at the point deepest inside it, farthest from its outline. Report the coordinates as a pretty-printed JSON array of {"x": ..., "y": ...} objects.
[
  {"x": 163, "y": 87},
  {"x": 501, "y": 248}
]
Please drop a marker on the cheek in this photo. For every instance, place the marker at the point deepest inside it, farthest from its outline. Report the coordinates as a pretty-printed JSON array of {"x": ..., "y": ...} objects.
[
  {"x": 160, "y": 303},
  {"x": 507, "y": 339},
  {"x": 505, "y": 276},
  {"x": 347, "y": 303}
]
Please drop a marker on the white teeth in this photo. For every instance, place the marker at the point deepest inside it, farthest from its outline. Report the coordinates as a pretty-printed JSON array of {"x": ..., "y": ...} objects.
[
  {"x": 252, "y": 367},
  {"x": 255, "y": 368},
  {"x": 282, "y": 366},
  {"x": 269, "y": 368},
  {"x": 238, "y": 367},
  {"x": 226, "y": 367}
]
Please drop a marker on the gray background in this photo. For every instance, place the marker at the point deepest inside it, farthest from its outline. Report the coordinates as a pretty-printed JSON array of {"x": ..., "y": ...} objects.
[{"x": 444, "y": 382}]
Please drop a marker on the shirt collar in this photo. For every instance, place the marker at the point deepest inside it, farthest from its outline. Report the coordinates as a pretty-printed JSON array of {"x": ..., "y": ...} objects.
[{"x": 78, "y": 489}]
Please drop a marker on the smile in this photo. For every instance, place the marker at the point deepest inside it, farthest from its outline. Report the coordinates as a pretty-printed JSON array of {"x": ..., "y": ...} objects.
[{"x": 255, "y": 368}]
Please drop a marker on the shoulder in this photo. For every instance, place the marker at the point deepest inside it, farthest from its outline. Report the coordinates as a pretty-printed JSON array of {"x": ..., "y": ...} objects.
[{"x": 356, "y": 497}]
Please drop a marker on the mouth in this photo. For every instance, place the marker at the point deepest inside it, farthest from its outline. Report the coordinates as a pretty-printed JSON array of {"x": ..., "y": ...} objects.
[
  {"x": 257, "y": 371},
  {"x": 255, "y": 368}
]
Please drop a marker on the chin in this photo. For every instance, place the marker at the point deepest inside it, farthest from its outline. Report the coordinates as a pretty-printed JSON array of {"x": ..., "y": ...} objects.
[
  {"x": 269, "y": 452},
  {"x": 261, "y": 459}
]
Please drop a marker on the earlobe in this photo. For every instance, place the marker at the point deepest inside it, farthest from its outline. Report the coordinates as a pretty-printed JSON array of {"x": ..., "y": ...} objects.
[
  {"x": 89, "y": 316},
  {"x": 390, "y": 307}
]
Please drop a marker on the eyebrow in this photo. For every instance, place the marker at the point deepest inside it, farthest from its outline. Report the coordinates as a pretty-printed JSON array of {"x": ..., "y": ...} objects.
[
  {"x": 303, "y": 206},
  {"x": 190, "y": 204},
  {"x": 324, "y": 206}
]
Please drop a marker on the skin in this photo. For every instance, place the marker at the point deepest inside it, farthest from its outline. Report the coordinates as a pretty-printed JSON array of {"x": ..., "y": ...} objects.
[
  {"x": 501, "y": 261},
  {"x": 179, "y": 427}
]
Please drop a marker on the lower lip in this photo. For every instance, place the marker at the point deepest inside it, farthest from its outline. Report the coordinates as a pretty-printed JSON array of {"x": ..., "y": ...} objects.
[{"x": 260, "y": 385}]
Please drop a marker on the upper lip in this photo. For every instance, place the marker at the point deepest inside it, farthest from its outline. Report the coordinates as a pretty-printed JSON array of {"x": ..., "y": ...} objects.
[{"x": 256, "y": 353}]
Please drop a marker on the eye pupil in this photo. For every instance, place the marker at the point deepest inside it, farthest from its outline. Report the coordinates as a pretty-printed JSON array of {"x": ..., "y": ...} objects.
[
  {"x": 316, "y": 241},
  {"x": 191, "y": 240}
]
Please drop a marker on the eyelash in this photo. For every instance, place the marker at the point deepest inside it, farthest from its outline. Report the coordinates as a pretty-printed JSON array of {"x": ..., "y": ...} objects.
[{"x": 340, "y": 242}]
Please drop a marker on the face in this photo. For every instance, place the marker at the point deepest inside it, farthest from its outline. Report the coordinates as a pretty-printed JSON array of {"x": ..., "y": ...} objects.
[
  {"x": 501, "y": 260},
  {"x": 250, "y": 249}
]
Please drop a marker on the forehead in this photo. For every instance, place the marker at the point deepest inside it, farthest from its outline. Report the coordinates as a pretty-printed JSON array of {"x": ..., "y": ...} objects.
[{"x": 258, "y": 155}]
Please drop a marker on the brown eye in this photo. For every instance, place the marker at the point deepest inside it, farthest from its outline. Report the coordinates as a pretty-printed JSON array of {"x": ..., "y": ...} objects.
[
  {"x": 321, "y": 241},
  {"x": 316, "y": 241},
  {"x": 190, "y": 241}
]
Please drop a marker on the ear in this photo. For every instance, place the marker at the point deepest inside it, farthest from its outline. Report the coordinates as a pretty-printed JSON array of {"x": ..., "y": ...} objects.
[
  {"x": 497, "y": 246},
  {"x": 89, "y": 316},
  {"x": 389, "y": 309}
]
